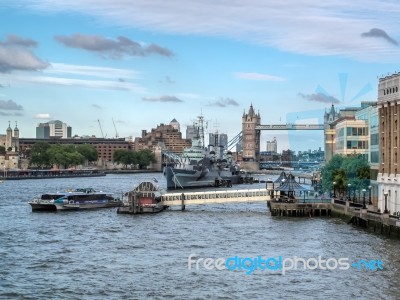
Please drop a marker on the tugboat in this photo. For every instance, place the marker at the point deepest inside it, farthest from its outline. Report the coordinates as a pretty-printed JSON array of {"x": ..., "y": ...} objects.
[
  {"x": 144, "y": 198},
  {"x": 199, "y": 166}
]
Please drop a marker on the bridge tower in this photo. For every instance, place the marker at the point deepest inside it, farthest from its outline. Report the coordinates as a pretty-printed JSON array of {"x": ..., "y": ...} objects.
[
  {"x": 251, "y": 139},
  {"x": 330, "y": 132}
]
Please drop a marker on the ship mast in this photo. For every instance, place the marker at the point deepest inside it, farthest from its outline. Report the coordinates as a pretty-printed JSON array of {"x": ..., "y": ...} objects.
[{"x": 201, "y": 129}]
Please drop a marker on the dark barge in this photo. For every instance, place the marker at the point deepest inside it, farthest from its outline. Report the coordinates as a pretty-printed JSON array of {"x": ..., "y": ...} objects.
[{"x": 45, "y": 174}]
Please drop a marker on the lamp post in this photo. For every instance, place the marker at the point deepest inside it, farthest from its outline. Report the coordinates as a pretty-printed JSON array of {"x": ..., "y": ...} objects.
[
  {"x": 370, "y": 200},
  {"x": 386, "y": 210},
  {"x": 348, "y": 191},
  {"x": 334, "y": 189},
  {"x": 364, "y": 190}
]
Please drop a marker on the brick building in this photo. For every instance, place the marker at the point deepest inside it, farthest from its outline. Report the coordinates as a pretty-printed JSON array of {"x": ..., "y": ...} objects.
[{"x": 167, "y": 135}]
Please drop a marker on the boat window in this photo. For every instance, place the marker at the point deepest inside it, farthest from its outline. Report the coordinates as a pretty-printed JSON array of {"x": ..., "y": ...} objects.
[{"x": 51, "y": 196}]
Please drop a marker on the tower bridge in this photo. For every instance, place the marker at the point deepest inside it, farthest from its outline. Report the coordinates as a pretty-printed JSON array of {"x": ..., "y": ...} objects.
[{"x": 251, "y": 132}]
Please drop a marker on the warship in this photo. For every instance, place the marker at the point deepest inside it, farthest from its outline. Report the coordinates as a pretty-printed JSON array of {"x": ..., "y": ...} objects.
[{"x": 200, "y": 166}]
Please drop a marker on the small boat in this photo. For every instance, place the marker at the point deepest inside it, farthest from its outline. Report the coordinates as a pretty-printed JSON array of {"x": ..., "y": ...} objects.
[
  {"x": 144, "y": 198},
  {"x": 82, "y": 198}
]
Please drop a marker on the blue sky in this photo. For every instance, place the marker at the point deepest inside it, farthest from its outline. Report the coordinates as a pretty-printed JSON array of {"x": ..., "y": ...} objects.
[{"x": 142, "y": 63}]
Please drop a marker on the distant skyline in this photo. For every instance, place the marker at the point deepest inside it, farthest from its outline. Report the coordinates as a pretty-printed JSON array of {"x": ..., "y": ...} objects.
[{"x": 142, "y": 63}]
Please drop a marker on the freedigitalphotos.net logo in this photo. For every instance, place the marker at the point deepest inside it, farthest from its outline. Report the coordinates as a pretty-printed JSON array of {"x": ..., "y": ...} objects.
[{"x": 280, "y": 264}]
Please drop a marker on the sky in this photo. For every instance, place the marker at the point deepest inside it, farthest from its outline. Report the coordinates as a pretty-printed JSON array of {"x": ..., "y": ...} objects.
[{"x": 137, "y": 64}]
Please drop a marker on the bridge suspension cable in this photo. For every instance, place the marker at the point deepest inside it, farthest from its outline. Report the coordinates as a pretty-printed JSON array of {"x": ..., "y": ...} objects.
[{"x": 232, "y": 143}]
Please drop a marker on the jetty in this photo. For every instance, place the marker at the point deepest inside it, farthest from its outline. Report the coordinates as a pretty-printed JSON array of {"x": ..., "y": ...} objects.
[
  {"x": 280, "y": 196},
  {"x": 46, "y": 174}
]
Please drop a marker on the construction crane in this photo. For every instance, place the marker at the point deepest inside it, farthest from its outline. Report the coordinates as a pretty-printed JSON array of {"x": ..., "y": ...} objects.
[
  {"x": 116, "y": 132},
  {"x": 100, "y": 128}
]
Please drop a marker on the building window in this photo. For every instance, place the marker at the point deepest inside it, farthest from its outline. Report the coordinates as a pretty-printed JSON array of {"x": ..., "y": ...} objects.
[
  {"x": 375, "y": 157},
  {"x": 374, "y": 139}
]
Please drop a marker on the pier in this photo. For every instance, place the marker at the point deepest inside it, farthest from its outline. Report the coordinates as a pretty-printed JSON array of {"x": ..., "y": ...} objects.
[
  {"x": 147, "y": 198},
  {"x": 308, "y": 208},
  {"x": 216, "y": 196}
]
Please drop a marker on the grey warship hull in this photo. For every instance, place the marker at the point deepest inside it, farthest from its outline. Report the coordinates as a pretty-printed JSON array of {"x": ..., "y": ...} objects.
[{"x": 184, "y": 179}]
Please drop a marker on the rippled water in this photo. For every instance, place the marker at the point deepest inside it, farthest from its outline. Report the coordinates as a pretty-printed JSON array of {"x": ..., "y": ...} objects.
[{"x": 101, "y": 255}]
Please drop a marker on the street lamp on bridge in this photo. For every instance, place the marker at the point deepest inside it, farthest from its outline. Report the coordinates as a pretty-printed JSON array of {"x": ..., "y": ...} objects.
[
  {"x": 370, "y": 200},
  {"x": 334, "y": 189},
  {"x": 364, "y": 190},
  {"x": 348, "y": 191},
  {"x": 386, "y": 210}
]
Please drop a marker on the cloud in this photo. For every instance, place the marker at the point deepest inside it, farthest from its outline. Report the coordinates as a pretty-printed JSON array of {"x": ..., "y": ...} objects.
[
  {"x": 319, "y": 97},
  {"x": 91, "y": 71},
  {"x": 10, "y": 105},
  {"x": 257, "y": 76},
  {"x": 162, "y": 99},
  {"x": 121, "y": 80},
  {"x": 379, "y": 33},
  {"x": 322, "y": 27},
  {"x": 15, "y": 55},
  {"x": 108, "y": 48},
  {"x": 42, "y": 116},
  {"x": 14, "y": 40},
  {"x": 5, "y": 114},
  {"x": 168, "y": 79},
  {"x": 224, "y": 102},
  {"x": 97, "y": 106},
  {"x": 92, "y": 83}
]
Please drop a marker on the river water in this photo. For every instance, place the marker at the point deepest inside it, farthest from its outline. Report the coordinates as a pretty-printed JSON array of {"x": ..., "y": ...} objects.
[{"x": 99, "y": 254}]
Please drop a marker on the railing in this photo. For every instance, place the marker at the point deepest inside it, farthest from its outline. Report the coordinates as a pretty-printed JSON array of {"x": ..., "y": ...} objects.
[
  {"x": 341, "y": 202},
  {"x": 304, "y": 201},
  {"x": 356, "y": 205},
  {"x": 315, "y": 200},
  {"x": 373, "y": 212},
  {"x": 291, "y": 127}
]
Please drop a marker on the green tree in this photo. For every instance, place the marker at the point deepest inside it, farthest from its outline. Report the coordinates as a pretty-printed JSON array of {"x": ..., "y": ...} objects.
[
  {"x": 88, "y": 151},
  {"x": 125, "y": 157},
  {"x": 2, "y": 150},
  {"x": 39, "y": 155},
  {"x": 330, "y": 170},
  {"x": 64, "y": 156},
  {"x": 145, "y": 158},
  {"x": 344, "y": 170}
]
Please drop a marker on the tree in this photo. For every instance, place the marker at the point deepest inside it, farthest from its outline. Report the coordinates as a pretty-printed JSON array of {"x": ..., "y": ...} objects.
[
  {"x": 88, "y": 151},
  {"x": 125, "y": 157},
  {"x": 330, "y": 170},
  {"x": 145, "y": 157},
  {"x": 344, "y": 170},
  {"x": 65, "y": 156},
  {"x": 2, "y": 150},
  {"x": 45, "y": 155},
  {"x": 39, "y": 155}
]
